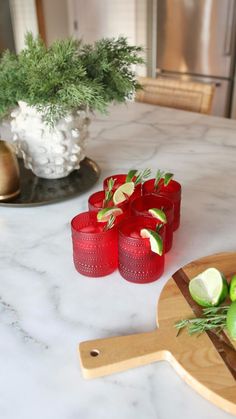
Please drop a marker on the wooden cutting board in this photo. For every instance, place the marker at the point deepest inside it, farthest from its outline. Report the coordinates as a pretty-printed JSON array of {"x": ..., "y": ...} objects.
[{"x": 206, "y": 362}]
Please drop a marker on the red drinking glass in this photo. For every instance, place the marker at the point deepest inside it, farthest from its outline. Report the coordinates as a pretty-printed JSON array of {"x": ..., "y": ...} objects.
[
  {"x": 140, "y": 206},
  {"x": 137, "y": 262},
  {"x": 95, "y": 252},
  {"x": 172, "y": 191},
  {"x": 119, "y": 180},
  {"x": 95, "y": 203}
]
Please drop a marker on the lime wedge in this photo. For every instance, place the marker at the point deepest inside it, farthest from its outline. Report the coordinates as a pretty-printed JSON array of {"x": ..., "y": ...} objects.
[
  {"x": 155, "y": 240},
  {"x": 123, "y": 192},
  {"x": 232, "y": 288},
  {"x": 167, "y": 178},
  {"x": 159, "y": 214},
  {"x": 130, "y": 175},
  {"x": 231, "y": 320},
  {"x": 104, "y": 215},
  {"x": 209, "y": 288}
]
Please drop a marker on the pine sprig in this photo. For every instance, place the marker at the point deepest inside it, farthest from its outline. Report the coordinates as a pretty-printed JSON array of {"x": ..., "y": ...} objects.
[
  {"x": 213, "y": 318},
  {"x": 68, "y": 76}
]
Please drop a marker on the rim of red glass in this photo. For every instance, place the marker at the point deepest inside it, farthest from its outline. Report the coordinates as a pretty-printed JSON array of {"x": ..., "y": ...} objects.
[
  {"x": 169, "y": 207},
  {"x": 101, "y": 195},
  {"x": 173, "y": 183},
  {"x": 120, "y": 175},
  {"x": 93, "y": 217},
  {"x": 151, "y": 222},
  {"x": 173, "y": 189},
  {"x": 117, "y": 176}
]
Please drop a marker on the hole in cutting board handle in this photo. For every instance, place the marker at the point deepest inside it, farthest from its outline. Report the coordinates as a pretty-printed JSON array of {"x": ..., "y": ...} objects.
[{"x": 94, "y": 352}]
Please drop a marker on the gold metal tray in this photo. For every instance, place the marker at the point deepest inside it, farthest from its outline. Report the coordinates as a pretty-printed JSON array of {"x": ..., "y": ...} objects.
[{"x": 37, "y": 191}]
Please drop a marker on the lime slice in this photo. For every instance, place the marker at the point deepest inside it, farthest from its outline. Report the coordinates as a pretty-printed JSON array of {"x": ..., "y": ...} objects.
[
  {"x": 209, "y": 288},
  {"x": 231, "y": 320},
  {"x": 104, "y": 215},
  {"x": 159, "y": 214},
  {"x": 155, "y": 240},
  {"x": 123, "y": 192},
  {"x": 232, "y": 288}
]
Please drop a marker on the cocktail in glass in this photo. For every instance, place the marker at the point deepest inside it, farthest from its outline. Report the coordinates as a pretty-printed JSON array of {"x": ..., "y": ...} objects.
[
  {"x": 95, "y": 251},
  {"x": 120, "y": 179},
  {"x": 96, "y": 203},
  {"x": 140, "y": 206},
  {"x": 137, "y": 262},
  {"x": 172, "y": 191}
]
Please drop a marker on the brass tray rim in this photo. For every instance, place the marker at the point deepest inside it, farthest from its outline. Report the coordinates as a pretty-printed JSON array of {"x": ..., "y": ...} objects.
[{"x": 72, "y": 195}]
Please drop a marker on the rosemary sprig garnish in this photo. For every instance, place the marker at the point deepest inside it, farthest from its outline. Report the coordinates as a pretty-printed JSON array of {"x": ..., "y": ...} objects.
[
  {"x": 162, "y": 175},
  {"x": 159, "y": 227},
  {"x": 142, "y": 176},
  {"x": 213, "y": 318},
  {"x": 159, "y": 175},
  {"x": 109, "y": 192},
  {"x": 110, "y": 223}
]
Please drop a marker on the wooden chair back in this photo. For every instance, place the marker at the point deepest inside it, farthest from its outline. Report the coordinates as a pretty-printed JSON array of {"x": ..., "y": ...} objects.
[{"x": 180, "y": 94}]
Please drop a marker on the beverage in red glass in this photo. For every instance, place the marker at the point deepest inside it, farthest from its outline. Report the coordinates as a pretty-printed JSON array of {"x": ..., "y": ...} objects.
[
  {"x": 137, "y": 262},
  {"x": 120, "y": 180},
  {"x": 96, "y": 203},
  {"x": 172, "y": 191},
  {"x": 140, "y": 206},
  {"x": 95, "y": 252}
]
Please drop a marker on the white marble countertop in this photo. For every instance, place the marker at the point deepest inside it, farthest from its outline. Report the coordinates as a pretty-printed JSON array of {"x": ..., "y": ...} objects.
[{"x": 46, "y": 307}]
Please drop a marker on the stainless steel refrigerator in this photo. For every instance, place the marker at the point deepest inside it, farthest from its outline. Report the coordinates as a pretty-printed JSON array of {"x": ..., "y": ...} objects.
[{"x": 195, "y": 39}]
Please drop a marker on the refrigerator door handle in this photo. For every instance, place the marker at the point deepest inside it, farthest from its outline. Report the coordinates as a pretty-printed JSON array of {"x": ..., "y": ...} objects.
[{"x": 229, "y": 28}]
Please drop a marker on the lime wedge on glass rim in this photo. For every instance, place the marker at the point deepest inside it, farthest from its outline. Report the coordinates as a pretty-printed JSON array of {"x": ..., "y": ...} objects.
[
  {"x": 130, "y": 175},
  {"x": 167, "y": 178},
  {"x": 232, "y": 288},
  {"x": 104, "y": 214},
  {"x": 159, "y": 214},
  {"x": 123, "y": 192},
  {"x": 209, "y": 288},
  {"x": 156, "y": 242}
]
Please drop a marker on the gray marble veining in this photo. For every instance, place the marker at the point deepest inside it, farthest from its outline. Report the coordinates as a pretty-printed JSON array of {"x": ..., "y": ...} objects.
[{"x": 46, "y": 307}]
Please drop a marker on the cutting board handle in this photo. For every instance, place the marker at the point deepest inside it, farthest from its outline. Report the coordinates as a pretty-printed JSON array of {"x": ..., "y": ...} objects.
[{"x": 105, "y": 356}]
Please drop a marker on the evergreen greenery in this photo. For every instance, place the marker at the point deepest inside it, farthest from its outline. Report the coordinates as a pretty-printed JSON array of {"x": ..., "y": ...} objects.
[
  {"x": 68, "y": 75},
  {"x": 213, "y": 318}
]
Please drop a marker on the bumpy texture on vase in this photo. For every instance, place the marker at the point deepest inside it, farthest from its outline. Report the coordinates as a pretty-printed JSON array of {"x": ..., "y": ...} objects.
[{"x": 51, "y": 153}]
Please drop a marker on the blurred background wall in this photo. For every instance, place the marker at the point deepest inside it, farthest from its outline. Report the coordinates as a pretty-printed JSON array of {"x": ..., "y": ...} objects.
[
  {"x": 56, "y": 19},
  {"x": 141, "y": 21}
]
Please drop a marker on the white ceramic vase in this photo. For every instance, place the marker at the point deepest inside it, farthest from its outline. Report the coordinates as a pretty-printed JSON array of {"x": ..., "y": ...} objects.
[{"x": 50, "y": 153}]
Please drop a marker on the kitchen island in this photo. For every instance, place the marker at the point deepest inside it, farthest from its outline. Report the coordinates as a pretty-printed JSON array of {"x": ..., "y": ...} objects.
[{"x": 47, "y": 308}]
